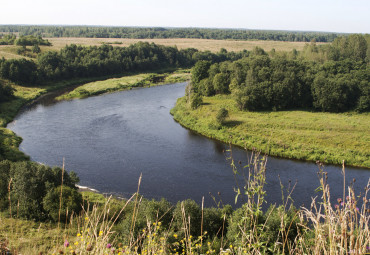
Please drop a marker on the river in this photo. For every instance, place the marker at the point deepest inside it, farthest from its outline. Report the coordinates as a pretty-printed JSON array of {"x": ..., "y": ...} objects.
[{"x": 109, "y": 140}]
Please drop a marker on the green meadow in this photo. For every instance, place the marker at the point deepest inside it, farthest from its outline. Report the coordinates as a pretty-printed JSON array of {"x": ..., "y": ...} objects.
[{"x": 303, "y": 135}]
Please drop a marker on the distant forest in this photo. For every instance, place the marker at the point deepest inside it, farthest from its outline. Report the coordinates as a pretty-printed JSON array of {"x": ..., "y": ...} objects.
[{"x": 158, "y": 32}]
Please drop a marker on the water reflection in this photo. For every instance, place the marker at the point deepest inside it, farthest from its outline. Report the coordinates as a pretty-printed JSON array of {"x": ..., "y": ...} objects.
[{"x": 111, "y": 139}]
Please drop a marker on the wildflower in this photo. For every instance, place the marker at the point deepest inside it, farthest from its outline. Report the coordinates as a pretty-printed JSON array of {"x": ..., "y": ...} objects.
[
  {"x": 174, "y": 235},
  {"x": 66, "y": 243},
  {"x": 100, "y": 233},
  {"x": 76, "y": 243},
  {"x": 89, "y": 247},
  {"x": 339, "y": 200},
  {"x": 336, "y": 207},
  {"x": 109, "y": 246},
  {"x": 86, "y": 218},
  {"x": 78, "y": 234}
]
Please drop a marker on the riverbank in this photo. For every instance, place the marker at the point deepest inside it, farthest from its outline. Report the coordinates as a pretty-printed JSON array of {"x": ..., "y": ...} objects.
[
  {"x": 125, "y": 83},
  {"x": 23, "y": 95},
  {"x": 303, "y": 135}
]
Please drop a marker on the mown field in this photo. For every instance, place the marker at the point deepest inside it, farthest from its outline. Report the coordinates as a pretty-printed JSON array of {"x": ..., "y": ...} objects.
[
  {"x": 8, "y": 52},
  {"x": 304, "y": 135}
]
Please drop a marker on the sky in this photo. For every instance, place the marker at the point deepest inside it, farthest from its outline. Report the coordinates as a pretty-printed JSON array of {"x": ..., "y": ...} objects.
[{"x": 348, "y": 16}]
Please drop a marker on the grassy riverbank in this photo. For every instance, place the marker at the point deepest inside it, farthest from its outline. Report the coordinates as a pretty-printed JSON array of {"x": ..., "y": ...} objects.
[
  {"x": 126, "y": 82},
  {"x": 9, "y": 142},
  {"x": 303, "y": 135}
]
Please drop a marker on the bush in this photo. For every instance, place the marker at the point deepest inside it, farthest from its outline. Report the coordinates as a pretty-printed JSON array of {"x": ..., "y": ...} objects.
[
  {"x": 222, "y": 114},
  {"x": 71, "y": 203},
  {"x": 196, "y": 100}
]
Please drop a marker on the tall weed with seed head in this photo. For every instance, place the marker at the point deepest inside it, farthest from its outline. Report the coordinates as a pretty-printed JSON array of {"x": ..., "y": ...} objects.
[{"x": 342, "y": 228}]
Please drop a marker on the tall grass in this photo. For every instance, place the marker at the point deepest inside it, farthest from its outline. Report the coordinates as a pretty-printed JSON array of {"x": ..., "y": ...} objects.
[{"x": 322, "y": 228}]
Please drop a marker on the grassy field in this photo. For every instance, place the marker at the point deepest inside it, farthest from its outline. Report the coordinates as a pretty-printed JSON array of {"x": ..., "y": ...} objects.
[
  {"x": 200, "y": 44},
  {"x": 304, "y": 135},
  {"x": 126, "y": 82}
]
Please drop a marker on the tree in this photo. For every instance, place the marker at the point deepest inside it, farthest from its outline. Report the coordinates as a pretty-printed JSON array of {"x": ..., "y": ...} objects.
[
  {"x": 71, "y": 203},
  {"x": 36, "y": 49},
  {"x": 199, "y": 72},
  {"x": 196, "y": 100},
  {"x": 221, "y": 116},
  {"x": 221, "y": 83},
  {"x": 6, "y": 92}
]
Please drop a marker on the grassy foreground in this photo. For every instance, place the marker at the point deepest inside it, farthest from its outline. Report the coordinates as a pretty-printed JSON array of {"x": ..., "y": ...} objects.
[
  {"x": 137, "y": 226},
  {"x": 303, "y": 135}
]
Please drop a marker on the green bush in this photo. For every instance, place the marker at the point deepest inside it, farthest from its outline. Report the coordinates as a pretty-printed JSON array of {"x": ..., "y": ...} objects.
[
  {"x": 196, "y": 100},
  {"x": 222, "y": 114},
  {"x": 71, "y": 203}
]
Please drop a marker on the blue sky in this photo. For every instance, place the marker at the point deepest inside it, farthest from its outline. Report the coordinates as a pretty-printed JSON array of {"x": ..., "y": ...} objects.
[{"x": 352, "y": 16}]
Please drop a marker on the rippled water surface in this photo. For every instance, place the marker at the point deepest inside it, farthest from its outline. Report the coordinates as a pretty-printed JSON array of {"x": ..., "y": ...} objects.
[{"x": 109, "y": 140}]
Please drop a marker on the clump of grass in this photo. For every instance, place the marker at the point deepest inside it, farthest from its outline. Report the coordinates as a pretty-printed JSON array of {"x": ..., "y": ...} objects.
[{"x": 339, "y": 229}]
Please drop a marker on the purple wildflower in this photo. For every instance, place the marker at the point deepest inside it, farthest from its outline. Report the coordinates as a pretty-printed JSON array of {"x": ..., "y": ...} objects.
[
  {"x": 109, "y": 246},
  {"x": 66, "y": 243}
]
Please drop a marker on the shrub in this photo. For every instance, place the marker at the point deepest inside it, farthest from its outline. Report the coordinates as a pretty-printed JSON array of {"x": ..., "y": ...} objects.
[
  {"x": 222, "y": 114},
  {"x": 71, "y": 203}
]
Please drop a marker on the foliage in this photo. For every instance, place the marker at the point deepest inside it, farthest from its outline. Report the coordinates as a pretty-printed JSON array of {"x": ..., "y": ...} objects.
[
  {"x": 29, "y": 183},
  {"x": 260, "y": 82},
  {"x": 71, "y": 202},
  {"x": 196, "y": 100},
  {"x": 159, "y": 32},
  {"x": 22, "y": 71},
  {"x": 6, "y": 91},
  {"x": 83, "y": 62},
  {"x": 222, "y": 114}
]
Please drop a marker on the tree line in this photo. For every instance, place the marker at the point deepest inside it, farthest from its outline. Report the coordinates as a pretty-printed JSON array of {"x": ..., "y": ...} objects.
[
  {"x": 264, "y": 83},
  {"x": 159, "y": 32},
  {"x": 80, "y": 62},
  {"x": 23, "y": 40}
]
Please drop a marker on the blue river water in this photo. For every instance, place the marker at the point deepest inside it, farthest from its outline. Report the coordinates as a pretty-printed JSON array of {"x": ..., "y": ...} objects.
[{"x": 109, "y": 140}]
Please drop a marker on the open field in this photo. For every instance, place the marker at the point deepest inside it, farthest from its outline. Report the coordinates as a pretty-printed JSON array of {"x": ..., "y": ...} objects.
[
  {"x": 304, "y": 135},
  {"x": 200, "y": 44},
  {"x": 8, "y": 52}
]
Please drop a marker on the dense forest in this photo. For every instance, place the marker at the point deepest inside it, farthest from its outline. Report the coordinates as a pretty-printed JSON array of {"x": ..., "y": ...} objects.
[
  {"x": 78, "y": 61},
  {"x": 339, "y": 82},
  {"x": 158, "y": 32}
]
